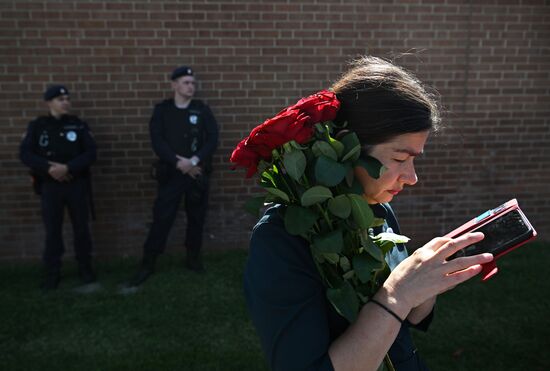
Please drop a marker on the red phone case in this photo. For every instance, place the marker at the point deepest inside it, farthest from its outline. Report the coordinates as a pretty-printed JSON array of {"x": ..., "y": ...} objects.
[{"x": 490, "y": 269}]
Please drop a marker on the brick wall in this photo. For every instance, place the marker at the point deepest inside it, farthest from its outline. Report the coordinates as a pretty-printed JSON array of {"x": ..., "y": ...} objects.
[{"x": 490, "y": 62}]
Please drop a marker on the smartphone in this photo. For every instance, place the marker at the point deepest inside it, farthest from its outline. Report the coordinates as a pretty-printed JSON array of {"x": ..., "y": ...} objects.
[{"x": 505, "y": 228}]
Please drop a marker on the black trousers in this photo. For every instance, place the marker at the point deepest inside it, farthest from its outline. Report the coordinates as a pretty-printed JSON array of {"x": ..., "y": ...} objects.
[
  {"x": 169, "y": 196},
  {"x": 55, "y": 197}
]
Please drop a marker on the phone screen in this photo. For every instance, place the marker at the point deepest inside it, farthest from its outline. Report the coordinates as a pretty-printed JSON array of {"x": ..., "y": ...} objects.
[{"x": 500, "y": 234}]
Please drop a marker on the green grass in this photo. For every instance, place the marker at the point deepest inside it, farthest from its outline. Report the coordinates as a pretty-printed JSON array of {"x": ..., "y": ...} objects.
[
  {"x": 179, "y": 320},
  {"x": 501, "y": 324},
  {"x": 184, "y": 321}
]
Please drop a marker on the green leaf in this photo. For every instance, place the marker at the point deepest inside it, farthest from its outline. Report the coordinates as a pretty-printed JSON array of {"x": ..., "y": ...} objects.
[
  {"x": 363, "y": 265},
  {"x": 315, "y": 195},
  {"x": 348, "y": 275},
  {"x": 372, "y": 165},
  {"x": 329, "y": 172},
  {"x": 331, "y": 257},
  {"x": 393, "y": 237},
  {"x": 352, "y": 185},
  {"x": 353, "y": 153},
  {"x": 373, "y": 249},
  {"x": 361, "y": 211},
  {"x": 344, "y": 300},
  {"x": 352, "y": 147},
  {"x": 297, "y": 145},
  {"x": 340, "y": 206},
  {"x": 254, "y": 204},
  {"x": 345, "y": 264},
  {"x": 295, "y": 164},
  {"x": 266, "y": 179},
  {"x": 277, "y": 192},
  {"x": 332, "y": 242},
  {"x": 384, "y": 246},
  {"x": 337, "y": 146},
  {"x": 299, "y": 220},
  {"x": 322, "y": 148}
]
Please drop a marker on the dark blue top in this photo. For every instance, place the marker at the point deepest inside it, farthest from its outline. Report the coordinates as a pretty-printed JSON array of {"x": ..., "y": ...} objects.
[{"x": 287, "y": 300}]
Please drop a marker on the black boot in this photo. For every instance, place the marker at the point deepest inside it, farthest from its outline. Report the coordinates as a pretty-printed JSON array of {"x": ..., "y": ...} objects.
[
  {"x": 193, "y": 261},
  {"x": 86, "y": 273},
  {"x": 145, "y": 271},
  {"x": 51, "y": 279}
]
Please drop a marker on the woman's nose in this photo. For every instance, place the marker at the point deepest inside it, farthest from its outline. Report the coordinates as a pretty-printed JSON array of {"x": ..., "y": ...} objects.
[{"x": 409, "y": 175}]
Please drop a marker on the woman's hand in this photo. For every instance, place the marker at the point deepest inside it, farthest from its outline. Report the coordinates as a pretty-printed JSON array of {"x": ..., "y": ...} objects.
[
  {"x": 410, "y": 292},
  {"x": 427, "y": 273},
  {"x": 417, "y": 314}
]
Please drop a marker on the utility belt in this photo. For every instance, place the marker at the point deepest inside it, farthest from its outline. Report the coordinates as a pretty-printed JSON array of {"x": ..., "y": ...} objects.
[
  {"x": 196, "y": 188},
  {"x": 162, "y": 171},
  {"x": 38, "y": 179}
]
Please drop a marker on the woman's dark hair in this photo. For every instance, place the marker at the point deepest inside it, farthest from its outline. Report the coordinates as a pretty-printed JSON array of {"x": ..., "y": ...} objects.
[{"x": 380, "y": 100}]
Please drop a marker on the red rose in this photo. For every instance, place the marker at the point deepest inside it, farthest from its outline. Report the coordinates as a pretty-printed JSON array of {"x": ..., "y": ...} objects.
[
  {"x": 320, "y": 107},
  {"x": 301, "y": 131},
  {"x": 242, "y": 156},
  {"x": 273, "y": 133},
  {"x": 293, "y": 123}
]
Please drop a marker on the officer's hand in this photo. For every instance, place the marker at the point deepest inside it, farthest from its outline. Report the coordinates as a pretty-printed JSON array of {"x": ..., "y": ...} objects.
[
  {"x": 67, "y": 178},
  {"x": 183, "y": 164},
  {"x": 58, "y": 171},
  {"x": 194, "y": 172}
]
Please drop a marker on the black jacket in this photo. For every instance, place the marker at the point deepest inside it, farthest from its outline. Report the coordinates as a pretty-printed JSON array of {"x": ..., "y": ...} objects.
[
  {"x": 185, "y": 132},
  {"x": 66, "y": 140}
]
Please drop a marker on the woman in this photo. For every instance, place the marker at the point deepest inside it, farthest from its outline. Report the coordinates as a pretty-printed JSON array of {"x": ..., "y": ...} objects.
[{"x": 393, "y": 115}]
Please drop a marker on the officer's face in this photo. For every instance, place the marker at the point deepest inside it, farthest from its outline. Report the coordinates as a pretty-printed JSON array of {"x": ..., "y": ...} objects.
[
  {"x": 60, "y": 106},
  {"x": 184, "y": 87}
]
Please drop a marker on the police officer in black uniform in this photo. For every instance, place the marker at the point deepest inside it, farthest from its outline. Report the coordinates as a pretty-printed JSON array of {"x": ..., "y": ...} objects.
[
  {"x": 184, "y": 135},
  {"x": 60, "y": 149}
]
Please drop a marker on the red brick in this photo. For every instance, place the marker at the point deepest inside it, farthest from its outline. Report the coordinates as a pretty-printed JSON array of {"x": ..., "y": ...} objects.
[{"x": 253, "y": 58}]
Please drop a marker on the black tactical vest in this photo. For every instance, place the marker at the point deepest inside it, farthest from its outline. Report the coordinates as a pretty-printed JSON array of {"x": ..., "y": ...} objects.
[{"x": 59, "y": 140}]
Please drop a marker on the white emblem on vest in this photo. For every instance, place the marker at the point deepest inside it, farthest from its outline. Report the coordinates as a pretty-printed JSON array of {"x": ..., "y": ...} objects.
[
  {"x": 193, "y": 119},
  {"x": 71, "y": 136}
]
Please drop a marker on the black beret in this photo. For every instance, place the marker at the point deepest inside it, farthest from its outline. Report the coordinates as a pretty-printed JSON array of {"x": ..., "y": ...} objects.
[
  {"x": 55, "y": 91},
  {"x": 181, "y": 71}
]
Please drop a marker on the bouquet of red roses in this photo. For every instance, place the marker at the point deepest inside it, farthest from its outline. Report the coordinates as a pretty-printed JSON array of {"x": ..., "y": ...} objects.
[{"x": 304, "y": 165}]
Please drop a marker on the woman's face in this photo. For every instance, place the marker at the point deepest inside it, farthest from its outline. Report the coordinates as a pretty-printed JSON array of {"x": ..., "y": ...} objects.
[{"x": 397, "y": 156}]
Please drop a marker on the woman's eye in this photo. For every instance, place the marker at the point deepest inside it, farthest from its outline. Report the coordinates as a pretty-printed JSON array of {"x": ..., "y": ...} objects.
[{"x": 399, "y": 160}]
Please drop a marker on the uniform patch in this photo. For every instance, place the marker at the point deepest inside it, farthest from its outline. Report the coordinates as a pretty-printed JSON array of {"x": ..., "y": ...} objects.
[
  {"x": 193, "y": 119},
  {"x": 44, "y": 139},
  {"x": 71, "y": 136}
]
